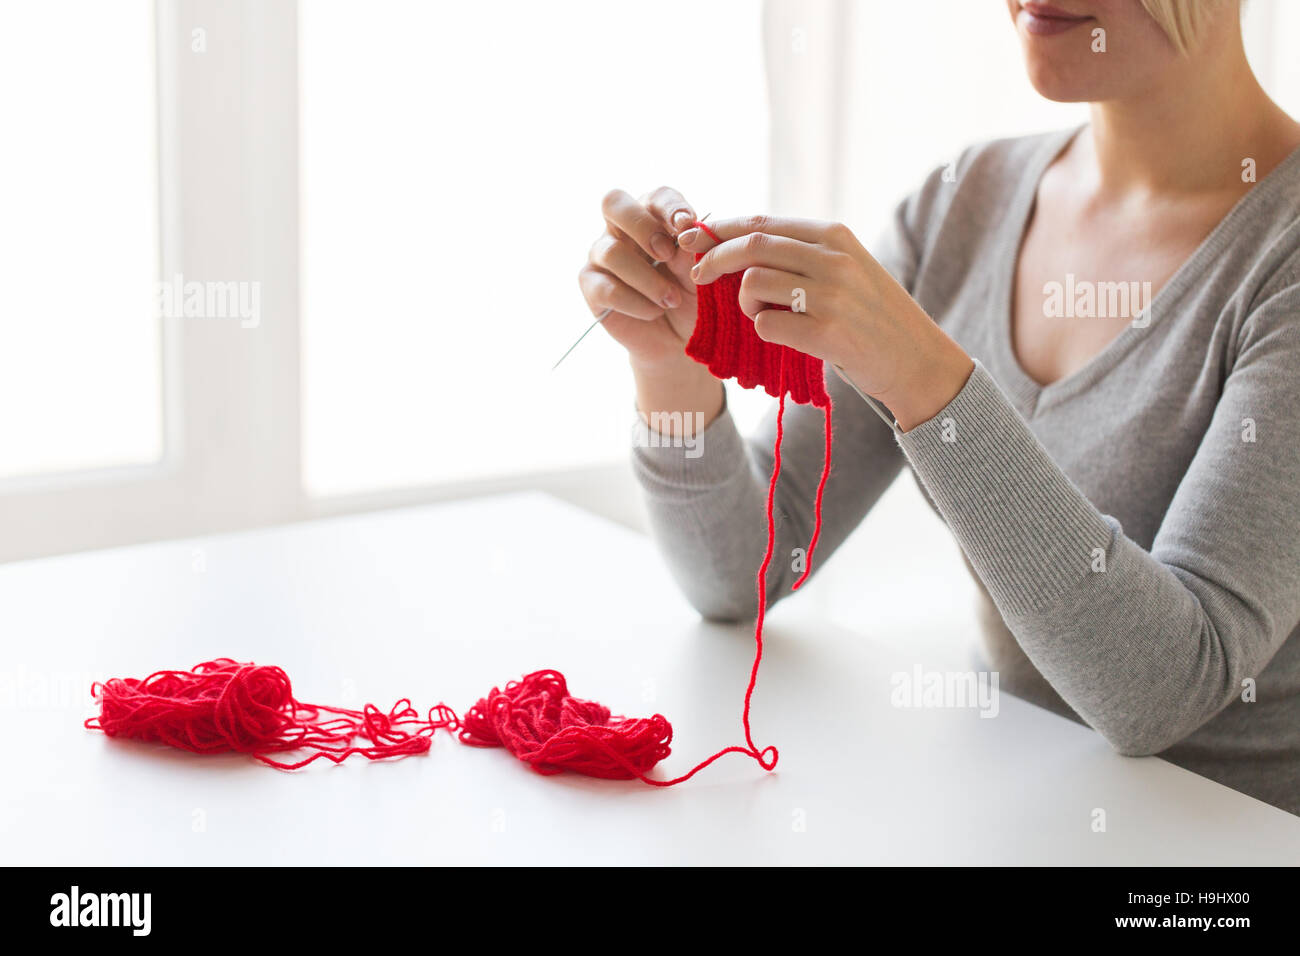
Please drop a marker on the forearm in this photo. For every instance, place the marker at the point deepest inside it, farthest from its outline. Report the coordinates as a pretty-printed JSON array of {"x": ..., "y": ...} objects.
[
  {"x": 1145, "y": 647},
  {"x": 705, "y": 506},
  {"x": 703, "y": 498},
  {"x": 706, "y": 502}
]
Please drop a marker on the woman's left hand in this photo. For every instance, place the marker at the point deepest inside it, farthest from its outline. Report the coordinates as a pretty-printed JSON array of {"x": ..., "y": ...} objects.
[{"x": 851, "y": 311}]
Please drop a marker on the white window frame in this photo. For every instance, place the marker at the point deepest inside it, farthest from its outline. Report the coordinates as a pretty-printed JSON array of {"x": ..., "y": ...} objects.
[{"x": 227, "y": 164}]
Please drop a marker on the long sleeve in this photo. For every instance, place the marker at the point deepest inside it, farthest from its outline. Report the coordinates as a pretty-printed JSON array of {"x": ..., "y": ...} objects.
[
  {"x": 1146, "y": 646},
  {"x": 707, "y": 512}
]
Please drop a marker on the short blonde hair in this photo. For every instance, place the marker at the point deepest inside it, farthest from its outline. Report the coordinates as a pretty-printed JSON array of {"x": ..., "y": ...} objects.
[{"x": 1182, "y": 20}]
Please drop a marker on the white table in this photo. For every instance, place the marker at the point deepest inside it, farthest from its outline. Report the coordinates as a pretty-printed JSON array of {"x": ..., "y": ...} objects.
[{"x": 444, "y": 602}]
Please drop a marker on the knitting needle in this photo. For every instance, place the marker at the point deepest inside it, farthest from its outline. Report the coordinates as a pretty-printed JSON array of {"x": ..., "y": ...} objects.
[
  {"x": 599, "y": 319},
  {"x": 876, "y": 407},
  {"x": 603, "y": 316}
]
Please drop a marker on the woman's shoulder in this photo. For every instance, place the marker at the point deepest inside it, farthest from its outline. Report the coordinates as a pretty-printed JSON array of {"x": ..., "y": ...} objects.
[
  {"x": 980, "y": 180},
  {"x": 1255, "y": 266},
  {"x": 995, "y": 167},
  {"x": 1248, "y": 271},
  {"x": 1268, "y": 218},
  {"x": 960, "y": 202},
  {"x": 1007, "y": 159}
]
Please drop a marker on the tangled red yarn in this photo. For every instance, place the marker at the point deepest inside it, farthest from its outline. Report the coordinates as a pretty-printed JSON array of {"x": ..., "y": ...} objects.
[
  {"x": 222, "y": 706},
  {"x": 542, "y": 724}
]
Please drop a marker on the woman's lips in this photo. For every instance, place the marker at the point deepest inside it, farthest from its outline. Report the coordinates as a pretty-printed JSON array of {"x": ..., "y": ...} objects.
[{"x": 1042, "y": 20}]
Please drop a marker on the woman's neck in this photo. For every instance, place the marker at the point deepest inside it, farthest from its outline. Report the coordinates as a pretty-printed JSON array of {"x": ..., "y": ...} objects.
[{"x": 1192, "y": 131}]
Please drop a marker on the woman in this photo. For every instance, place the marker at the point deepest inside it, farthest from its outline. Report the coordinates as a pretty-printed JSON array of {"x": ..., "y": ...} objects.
[{"x": 1123, "y": 478}]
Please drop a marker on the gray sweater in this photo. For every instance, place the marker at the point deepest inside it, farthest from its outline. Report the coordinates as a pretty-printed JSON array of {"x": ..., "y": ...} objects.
[{"x": 1136, "y": 525}]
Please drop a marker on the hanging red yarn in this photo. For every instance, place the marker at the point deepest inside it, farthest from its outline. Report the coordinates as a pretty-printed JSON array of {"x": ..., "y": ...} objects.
[
  {"x": 724, "y": 340},
  {"x": 223, "y": 706}
]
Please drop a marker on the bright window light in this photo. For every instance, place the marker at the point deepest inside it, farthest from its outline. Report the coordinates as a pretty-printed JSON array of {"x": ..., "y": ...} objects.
[
  {"x": 453, "y": 158},
  {"x": 80, "y": 348}
]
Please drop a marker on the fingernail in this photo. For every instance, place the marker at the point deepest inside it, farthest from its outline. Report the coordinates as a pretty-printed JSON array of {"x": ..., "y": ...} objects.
[
  {"x": 671, "y": 299},
  {"x": 682, "y": 219},
  {"x": 688, "y": 237},
  {"x": 661, "y": 246},
  {"x": 696, "y": 272}
]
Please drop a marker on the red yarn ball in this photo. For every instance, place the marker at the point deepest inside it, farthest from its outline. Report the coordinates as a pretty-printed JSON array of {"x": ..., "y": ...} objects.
[
  {"x": 540, "y": 722},
  {"x": 224, "y": 706}
]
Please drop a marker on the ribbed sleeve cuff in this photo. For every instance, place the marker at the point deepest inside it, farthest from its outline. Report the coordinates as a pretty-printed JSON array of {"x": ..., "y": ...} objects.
[
  {"x": 668, "y": 468},
  {"x": 1029, "y": 532}
]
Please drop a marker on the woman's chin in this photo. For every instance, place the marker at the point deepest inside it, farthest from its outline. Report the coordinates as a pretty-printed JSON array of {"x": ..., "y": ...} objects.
[{"x": 1063, "y": 86}]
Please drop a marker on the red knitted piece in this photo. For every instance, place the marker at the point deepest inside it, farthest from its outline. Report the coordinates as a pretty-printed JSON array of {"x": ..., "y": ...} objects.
[{"x": 724, "y": 340}]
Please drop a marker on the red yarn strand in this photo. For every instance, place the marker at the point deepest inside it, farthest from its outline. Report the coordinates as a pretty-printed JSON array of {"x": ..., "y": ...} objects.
[
  {"x": 761, "y": 583},
  {"x": 817, "y": 506},
  {"x": 768, "y": 756}
]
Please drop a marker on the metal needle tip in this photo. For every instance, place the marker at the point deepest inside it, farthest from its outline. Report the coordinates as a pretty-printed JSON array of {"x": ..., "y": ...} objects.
[{"x": 599, "y": 319}]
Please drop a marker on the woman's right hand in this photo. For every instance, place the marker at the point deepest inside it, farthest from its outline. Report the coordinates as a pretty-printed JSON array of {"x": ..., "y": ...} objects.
[{"x": 653, "y": 305}]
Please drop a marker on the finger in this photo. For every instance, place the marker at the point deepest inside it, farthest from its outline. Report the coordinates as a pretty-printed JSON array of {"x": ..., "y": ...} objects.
[
  {"x": 621, "y": 259},
  {"x": 636, "y": 333},
  {"x": 604, "y": 291},
  {"x": 795, "y": 329},
  {"x": 624, "y": 214},
  {"x": 679, "y": 266},
  {"x": 756, "y": 249},
  {"x": 805, "y": 230},
  {"x": 671, "y": 208},
  {"x": 762, "y": 288}
]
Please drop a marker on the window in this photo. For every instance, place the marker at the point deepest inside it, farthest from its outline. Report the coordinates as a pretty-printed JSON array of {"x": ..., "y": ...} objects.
[
  {"x": 145, "y": 142},
  {"x": 80, "y": 354}
]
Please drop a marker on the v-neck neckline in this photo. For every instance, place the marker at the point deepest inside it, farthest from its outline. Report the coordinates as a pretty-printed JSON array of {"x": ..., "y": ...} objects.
[{"x": 1022, "y": 388}]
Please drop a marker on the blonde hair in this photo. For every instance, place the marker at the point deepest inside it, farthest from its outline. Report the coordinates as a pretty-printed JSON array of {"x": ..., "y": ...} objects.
[{"x": 1182, "y": 20}]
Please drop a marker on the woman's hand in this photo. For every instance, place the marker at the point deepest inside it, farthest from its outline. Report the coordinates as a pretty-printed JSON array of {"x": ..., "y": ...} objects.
[
  {"x": 852, "y": 312},
  {"x": 636, "y": 268}
]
